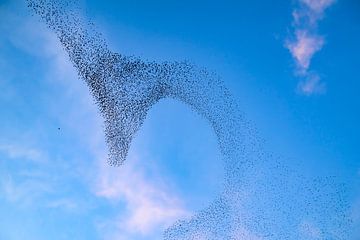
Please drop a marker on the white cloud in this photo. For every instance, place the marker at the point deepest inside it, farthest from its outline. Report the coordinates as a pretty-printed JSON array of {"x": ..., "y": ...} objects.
[
  {"x": 33, "y": 185},
  {"x": 311, "y": 84},
  {"x": 306, "y": 42},
  {"x": 150, "y": 204},
  {"x": 15, "y": 151},
  {"x": 64, "y": 203},
  {"x": 303, "y": 49},
  {"x": 23, "y": 192},
  {"x": 318, "y": 6},
  {"x": 31, "y": 36}
]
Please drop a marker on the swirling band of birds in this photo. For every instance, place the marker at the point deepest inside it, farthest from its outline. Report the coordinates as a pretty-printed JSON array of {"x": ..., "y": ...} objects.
[{"x": 125, "y": 88}]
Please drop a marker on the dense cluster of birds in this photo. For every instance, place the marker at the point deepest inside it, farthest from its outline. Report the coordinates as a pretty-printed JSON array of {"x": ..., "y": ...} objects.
[{"x": 254, "y": 203}]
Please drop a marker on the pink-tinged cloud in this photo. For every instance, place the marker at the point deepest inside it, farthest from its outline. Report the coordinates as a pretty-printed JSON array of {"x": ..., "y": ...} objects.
[
  {"x": 306, "y": 42},
  {"x": 311, "y": 85},
  {"x": 303, "y": 49},
  {"x": 318, "y": 6}
]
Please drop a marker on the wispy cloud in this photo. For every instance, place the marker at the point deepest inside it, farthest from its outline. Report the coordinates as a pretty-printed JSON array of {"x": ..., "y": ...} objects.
[
  {"x": 32, "y": 37},
  {"x": 34, "y": 183},
  {"x": 306, "y": 41},
  {"x": 63, "y": 203},
  {"x": 23, "y": 192},
  {"x": 150, "y": 203},
  {"x": 15, "y": 151},
  {"x": 312, "y": 84},
  {"x": 22, "y": 187}
]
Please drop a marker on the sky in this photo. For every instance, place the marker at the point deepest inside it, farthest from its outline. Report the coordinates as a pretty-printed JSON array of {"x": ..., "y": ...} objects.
[{"x": 291, "y": 65}]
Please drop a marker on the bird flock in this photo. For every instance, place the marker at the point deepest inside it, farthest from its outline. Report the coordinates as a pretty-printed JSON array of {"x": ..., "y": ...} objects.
[{"x": 254, "y": 202}]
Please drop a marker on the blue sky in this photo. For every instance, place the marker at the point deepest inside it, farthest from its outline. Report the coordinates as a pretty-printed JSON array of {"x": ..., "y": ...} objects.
[{"x": 55, "y": 182}]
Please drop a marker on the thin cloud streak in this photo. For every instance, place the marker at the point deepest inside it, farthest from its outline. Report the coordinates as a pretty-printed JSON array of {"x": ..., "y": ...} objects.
[
  {"x": 23, "y": 193},
  {"x": 14, "y": 151},
  {"x": 306, "y": 42}
]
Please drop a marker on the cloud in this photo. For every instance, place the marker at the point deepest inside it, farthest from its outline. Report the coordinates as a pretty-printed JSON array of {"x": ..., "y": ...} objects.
[
  {"x": 150, "y": 204},
  {"x": 23, "y": 192},
  {"x": 63, "y": 203},
  {"x": 34, "y": 184},
  {"x": 15, "y": 151},
  {"x": 306, "y": 42},
  {"x": 311, "y": 84},
  {"x": 303, "y": 49},
  {"x": 318, "y": 6},
  {"x": 31, "y": 36}
]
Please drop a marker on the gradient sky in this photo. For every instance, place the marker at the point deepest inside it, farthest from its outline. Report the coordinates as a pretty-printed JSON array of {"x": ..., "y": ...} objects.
[{"x": 293, "y": 66}]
